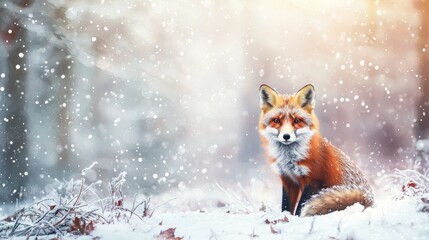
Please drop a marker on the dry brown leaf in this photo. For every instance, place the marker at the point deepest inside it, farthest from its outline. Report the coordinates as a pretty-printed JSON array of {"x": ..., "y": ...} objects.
[
  {"x": 168, "y": 234},
  {"x": 81, "y": 227},
  {"x": 284, "y": 220},
  {"x": 273, "y": 231}
]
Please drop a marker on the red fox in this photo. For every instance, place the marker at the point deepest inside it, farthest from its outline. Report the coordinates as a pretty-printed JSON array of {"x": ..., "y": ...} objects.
[{"x": 303, "y": 159}]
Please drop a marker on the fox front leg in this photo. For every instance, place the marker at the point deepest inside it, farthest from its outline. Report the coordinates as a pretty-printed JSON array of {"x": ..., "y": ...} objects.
[{"x": 294, "y": 193}]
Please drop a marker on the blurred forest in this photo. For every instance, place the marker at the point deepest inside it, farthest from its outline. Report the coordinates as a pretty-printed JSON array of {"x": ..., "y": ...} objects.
[{"x": 168, "y": 90}]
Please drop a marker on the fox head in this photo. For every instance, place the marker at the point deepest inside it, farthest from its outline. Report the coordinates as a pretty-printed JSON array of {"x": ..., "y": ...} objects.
[{"x": 287, "y": 119}]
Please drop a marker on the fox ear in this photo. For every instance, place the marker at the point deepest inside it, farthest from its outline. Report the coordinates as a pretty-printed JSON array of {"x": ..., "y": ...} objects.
[
  {"x": 305, "y": 97},
  {"x": 268, "y": 97}
]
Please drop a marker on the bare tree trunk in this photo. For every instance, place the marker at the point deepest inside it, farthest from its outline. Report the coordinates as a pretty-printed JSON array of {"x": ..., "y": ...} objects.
[
  {"x": 372, "y": 18},
  {"x": 422, "y": 128},
  {"x": 63, "y": 80},
  {"x": 64, "y": 116},
  {"x": 15, "y": 161}
]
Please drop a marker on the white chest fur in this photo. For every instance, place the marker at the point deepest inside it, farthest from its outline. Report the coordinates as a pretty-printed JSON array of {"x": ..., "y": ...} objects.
[
  {"x": 289, "y": 169},
  {"x": 287, "y": 156}
]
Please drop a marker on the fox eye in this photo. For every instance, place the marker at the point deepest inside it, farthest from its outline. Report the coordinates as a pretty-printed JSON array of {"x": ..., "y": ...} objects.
[
  {"x": 297, "y": 120},
  {"x": 276, "y": 120}
]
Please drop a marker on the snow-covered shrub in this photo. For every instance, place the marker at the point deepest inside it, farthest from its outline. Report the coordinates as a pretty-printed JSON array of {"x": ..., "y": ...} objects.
[
  {"x": 75, "y": 207},
  {"x": 414, "y": 185}
]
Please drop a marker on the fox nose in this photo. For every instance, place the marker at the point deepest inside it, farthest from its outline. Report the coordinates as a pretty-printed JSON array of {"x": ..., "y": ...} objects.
[{"x": 286, "y": 136}]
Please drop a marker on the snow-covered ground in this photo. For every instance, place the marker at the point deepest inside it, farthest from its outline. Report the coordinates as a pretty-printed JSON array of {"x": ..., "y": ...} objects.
[
  {"x": 400, "y": 219},
  {"x": 390, "y": 219},
  {"x": 218, "y": 212}
]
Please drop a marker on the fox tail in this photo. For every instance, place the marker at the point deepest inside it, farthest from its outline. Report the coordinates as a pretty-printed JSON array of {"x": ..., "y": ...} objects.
[{"x": 335, "y": 199}]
